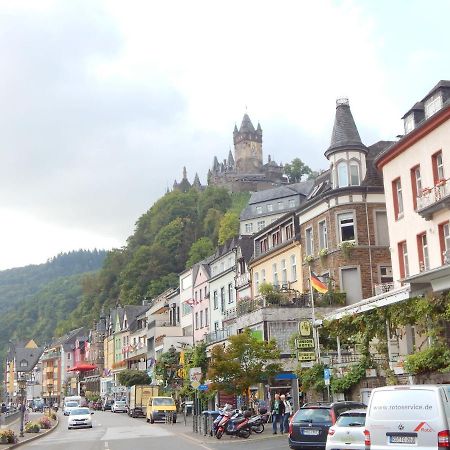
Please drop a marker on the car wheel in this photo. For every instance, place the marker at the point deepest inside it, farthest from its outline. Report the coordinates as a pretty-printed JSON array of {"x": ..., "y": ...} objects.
[{"x": 90, "y": 426}]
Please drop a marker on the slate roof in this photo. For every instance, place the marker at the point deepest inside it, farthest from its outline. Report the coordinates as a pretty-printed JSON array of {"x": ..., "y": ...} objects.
[
  {"x": 31, "y": 355},
  {"x": 70, "y": 337},
  {"x": 280, "y": 192},
  {"x": 345, "y": 134},
  {"x": 373, "y": 176},
  {"x": 247, "y": 247},
  {"x": 246, "y": 125}
]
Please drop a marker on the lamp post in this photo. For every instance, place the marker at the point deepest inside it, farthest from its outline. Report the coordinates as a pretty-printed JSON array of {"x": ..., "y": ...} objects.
[
  {"x": 50, "y": 390},
  {"x": 22, "y": 383}
]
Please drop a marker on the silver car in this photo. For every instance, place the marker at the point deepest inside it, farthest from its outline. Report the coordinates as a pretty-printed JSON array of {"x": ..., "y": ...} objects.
[{"x": 348, "y": 431}]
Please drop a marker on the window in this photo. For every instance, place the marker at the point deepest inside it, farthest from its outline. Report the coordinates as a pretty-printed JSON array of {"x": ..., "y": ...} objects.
[
  {"x": 206, "y": 317},
  {"x": 206, "y": 291},
  {"x": 416, "y": 184},
  {"x": 216, "y": 303},
  {"x": 24, "y": 363},
  {"x": 309, "y": 241},
  {"x": 270, "y": 207},
  {"x": 196, "y": 320},
  {"x": 280, "y": 205},
  {"x": 438, "y": 167},
  {"x": 398, "y": 198},
  {"x": 422, "y": 249},
  {"x": 386, "y": 274},
  {"x": 200, "y": 293},
  {"x": 249, "y": 228},
  {"x": 264, "y": 245},
  {"x": 382, "y": 229},
  {"x": 256, "y": 276},
  {"x": 275, "y": 274},
  {"x": 403, "y": 259},
  {"x": 195, "y": 296},
  {"x": 261, "y": 224},
  {"x": 323, "y": 235},
  {"x": 263, "y": 275},
  {"x": 68, "y": 356},
  {"x": 201, "y": 318},
  {"x": 276, "y": 239},
  {"x": 354, "y": 173},
  {"x": 222, "y": 299},
  {"x": 444, "y": 242},
  {"x": 289, "y": 231},
  {"x": 222, "y": 266},
  {"x": 432, "y": 105},
  {"x": 259, "y": 210},
  {"x": 283, "y": 273},
  {"x": 346, "y": 225},
  {"x": 342, "y": 171},
  {"x": 409, "y": 123},
  {"x": 291, "y": 203},
  {"x": 293, "y": 268},
  {"x": 230, "y": 293},
  {"x": 216, "y": 326}
]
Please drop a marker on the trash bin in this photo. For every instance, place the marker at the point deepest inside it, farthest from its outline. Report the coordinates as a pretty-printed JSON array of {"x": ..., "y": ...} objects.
[{"x": 208, "y": 418}]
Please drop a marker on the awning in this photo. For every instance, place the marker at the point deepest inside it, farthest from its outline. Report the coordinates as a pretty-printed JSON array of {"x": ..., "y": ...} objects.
[
  {"x": 438, "y": 279},
  {"x": 82, "y": 367}
]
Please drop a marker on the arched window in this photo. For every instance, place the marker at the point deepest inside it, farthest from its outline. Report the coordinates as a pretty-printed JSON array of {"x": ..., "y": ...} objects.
[
  {"x": 342, "y": 174},
  {"x": 354, "y": 173}
]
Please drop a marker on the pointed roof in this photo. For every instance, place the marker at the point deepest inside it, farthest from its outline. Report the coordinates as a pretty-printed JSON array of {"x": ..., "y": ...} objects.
[
  {"x": 345, "y": 134},
  {"x": 196, "y": 182},
  {"x": 246, "y": 125},
  {"x": 230, "y": 159}
]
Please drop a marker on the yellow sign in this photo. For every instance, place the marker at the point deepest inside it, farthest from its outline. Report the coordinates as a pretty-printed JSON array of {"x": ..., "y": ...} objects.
[
  {"x": 306, "y": 356},
  {"x": 305, "y": 343},
  {"x": 195, "y": 384},
  {"x": 305, "y": 328}
]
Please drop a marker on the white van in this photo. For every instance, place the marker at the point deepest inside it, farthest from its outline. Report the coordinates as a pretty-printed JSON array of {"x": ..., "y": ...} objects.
[{"x": 413, "y": 416}]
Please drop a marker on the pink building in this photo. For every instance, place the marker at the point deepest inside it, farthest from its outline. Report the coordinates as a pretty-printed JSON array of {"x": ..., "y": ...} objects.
[{"x": 200, "y": 299}]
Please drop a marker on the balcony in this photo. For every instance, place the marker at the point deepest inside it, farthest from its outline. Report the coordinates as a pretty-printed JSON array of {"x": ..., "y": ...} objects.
[
  {"x": 229, "y": 314},
  {"x": 242, "y": 280},
  {"x": 217, "y": 336},
  {"x": 50, "y": 355},
  {"x": 383, "y": 288},
  {"x": 286, "y": 301},
  {"x": 434, "y": 199},
  {"x": 162, "y": 322}
]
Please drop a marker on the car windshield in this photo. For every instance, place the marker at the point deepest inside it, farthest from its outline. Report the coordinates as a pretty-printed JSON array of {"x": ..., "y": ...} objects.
[
  {"x": 313, "y": 415},
  {"x": 79, "y": 412},
  {"x": 72, "y": 404},
  {"x": 120, "y": 403},
  {"x": 163, "y": 402},
  {"x": 352, "y": 420}
]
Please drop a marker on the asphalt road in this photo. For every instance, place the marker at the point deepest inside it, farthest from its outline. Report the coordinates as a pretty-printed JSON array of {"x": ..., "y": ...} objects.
[{"x": 120, "y": 432}]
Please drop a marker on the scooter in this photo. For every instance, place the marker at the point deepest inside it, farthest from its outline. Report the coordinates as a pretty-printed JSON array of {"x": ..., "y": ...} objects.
[
  {"x": 217, "y": 420},
  {"x": 256, "y": 424},
  {"x": 234, "y": 425}
]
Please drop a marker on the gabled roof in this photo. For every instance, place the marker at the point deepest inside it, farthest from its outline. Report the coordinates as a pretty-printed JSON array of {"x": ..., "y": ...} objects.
[
  {"x": 345, "y": 134},
  {"x": 30, "y": 355},
  {"x": 247, "y": 247}
]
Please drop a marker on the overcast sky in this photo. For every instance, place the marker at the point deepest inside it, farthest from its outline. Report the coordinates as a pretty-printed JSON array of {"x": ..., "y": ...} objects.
[{"x": 103, "y": 102}]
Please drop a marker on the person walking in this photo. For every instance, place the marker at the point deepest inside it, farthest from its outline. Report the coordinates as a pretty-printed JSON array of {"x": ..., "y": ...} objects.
[
  {"x": 276, "y": 414},
  {"x": 287, "y": 413}
]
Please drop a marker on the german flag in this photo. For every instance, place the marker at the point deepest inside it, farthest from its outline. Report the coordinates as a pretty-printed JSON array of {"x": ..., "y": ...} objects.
[{"x": 318, "y": 285}]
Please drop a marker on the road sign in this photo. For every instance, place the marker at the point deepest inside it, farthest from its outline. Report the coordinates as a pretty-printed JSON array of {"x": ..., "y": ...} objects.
[
  {"x": 195, "y": 375},
  {"x": 203, "y": 387},
  {"x": 305, "y": 328},
  {"x": 195, "y": 384},
  {"x": 327, "y": 376},
  {"x": 305, "y": 343}
]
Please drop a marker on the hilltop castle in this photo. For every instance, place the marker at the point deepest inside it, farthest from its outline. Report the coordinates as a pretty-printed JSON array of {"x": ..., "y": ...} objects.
[{"x": 245, "y": 171}]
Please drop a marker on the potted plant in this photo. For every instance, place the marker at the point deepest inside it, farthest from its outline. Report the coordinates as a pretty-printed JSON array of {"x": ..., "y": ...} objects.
[
  {"x": 323, "y": 253},
  {"x": 347, "y": 246},
  {"x": 309, "y": 259}
]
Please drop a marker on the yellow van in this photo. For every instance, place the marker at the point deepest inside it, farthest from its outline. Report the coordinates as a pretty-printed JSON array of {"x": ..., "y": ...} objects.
[{"x": 158, "y": 407}]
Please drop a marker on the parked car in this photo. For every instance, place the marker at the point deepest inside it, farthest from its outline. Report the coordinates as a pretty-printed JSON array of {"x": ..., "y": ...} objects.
[
  {"x": 80, "y": 418},
  {"x": 119, "y": 406},
  {"x": 107, "y": 404},
  {"x": 69, "y": 406},
  {"x": 309, "y": 426},
  {"x": 348, "y": 431}
]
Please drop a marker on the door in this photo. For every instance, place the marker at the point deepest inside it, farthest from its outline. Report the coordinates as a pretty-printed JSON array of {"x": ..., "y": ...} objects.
[{"x": 351, "y": 284}]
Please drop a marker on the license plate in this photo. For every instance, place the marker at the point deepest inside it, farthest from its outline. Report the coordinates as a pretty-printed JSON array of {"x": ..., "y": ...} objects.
[
  {"x": 402, "y": 439},
  {"x": 310, "y": 432}
]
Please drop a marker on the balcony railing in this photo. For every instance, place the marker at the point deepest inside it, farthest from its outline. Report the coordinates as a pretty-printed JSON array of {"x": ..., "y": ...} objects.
[
  {"x": 216, "y": 336},
  {"x": 50, "y": 355},
  {"x": 230, "y": 314},
  {"x": 242, "y": 279},
  {"x": 382, "y": 288},
  {"x": 163, "y": 322},
  {"x": 285, "y": 301},
  {"x": 433, "y": 199}
]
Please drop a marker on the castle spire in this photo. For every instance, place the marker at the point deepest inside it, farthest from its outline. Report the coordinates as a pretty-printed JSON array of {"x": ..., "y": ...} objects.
[
  {"x": 184, "y": 173},
  {"x": 230, "y": 159},
  {"x": 246, "y": 125},
  {"x": 345, "y": 134}
]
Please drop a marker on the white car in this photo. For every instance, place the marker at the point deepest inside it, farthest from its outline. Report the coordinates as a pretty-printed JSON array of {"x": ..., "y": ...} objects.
[
  {"x": 119, "y": 406},
  {"x": 348, "y": 431},
  {"x": 80, "y": 418},
  {"x": 69, "y": 406}
]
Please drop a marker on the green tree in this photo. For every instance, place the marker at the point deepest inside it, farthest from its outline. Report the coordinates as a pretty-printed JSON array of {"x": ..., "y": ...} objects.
[
  {"x": 133, "y": 377},
  {"x": 211, "y": 224},
  {"x": 199, "y": 250},
  {"x": 296, "y": 170},
  {"x": 167, "y": 367},
  {"x": 158, "y": 286},
  {"x": 229, "y": 227},
  {"x": 246, "y": 361}
]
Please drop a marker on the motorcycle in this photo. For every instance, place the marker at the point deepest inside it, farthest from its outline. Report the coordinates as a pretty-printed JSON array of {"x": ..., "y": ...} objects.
[
  {"x": 234, "y": 425},
  {"x": 256, "y": 424},
  {"x": 217, "y": 420}
]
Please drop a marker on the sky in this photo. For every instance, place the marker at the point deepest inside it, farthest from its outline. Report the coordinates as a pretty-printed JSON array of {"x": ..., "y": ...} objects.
[{"x": 102, "y": 103}]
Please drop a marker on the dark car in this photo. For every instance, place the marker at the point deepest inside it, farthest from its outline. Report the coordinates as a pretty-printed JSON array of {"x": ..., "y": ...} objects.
[
  {"x": 107, "y": 405},
  {"x": 97, "y": 406},
  {"x": 309, "y": 425}
]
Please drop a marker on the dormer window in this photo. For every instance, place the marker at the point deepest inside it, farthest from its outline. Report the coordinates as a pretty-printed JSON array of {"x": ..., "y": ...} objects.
[
  {"x": 23, "y": 363},
  {"x": 432, "y": 105},
  {"x": 409, "y": 123}
]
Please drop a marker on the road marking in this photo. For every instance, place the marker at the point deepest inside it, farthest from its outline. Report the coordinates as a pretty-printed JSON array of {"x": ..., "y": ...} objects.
[{"x": 197, "y": 441}]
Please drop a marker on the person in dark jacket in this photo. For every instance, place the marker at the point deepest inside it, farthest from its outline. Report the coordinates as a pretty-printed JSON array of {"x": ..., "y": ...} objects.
[{"x": 277, "y": 408}]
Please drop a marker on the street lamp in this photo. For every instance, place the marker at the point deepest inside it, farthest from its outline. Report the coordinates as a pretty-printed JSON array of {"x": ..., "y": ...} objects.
[
  {"x": 22, "y": 383},
  {"x": 50, "y": 390}
]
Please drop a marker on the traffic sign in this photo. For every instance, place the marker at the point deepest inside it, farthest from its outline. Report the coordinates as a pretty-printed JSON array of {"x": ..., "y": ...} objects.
[
  {"x": 195, "y": 384},
  {"x": 327, "y": 376},
  {"x": 203, "y": 387}
]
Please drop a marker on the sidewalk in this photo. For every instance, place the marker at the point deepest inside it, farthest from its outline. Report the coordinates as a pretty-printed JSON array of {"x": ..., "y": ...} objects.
[{"x": 15, "y": 426}]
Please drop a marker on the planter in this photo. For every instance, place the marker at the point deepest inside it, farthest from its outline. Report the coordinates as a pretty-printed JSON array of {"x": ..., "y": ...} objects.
[{"x": 3, "y": 440}]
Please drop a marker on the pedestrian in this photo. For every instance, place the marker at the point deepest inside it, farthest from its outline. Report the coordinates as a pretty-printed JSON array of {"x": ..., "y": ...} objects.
[
  {"x": 276, "y": 415},
  {"x": 287, "y": 413}
]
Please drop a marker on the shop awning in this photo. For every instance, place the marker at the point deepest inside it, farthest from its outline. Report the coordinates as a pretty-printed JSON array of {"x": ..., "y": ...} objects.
[{"x": 82, "y": 367}]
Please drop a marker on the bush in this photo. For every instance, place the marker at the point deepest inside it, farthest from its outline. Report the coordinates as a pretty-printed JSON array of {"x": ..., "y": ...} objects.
[
  {"x": 53, "y": 416},
  {"x": 8, "y": 436},
  {"x": 432, "y": 359},
  {"x": 44, "y": 423},
  {"x": 32, "y": 427}
]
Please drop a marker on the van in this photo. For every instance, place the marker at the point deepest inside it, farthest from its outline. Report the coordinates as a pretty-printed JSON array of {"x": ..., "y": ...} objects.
[
  {"x": 408, "y": 416},
  {"x": 159, "y": 407}
]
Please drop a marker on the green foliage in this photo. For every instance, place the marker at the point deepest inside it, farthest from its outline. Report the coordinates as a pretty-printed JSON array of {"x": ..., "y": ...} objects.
[
  {"x": 229, "y": 227},
  {"x": 199, "y": 250},
  {"x": 312, "y": 378},
  {"x": 432, "y": 359},
  {"x": 296, "y": 170},
  {"x": 32, "y": 427},
  {"x": 352, "y": 377},
  {"x": 244, "y": 362},
  {"x": 167, "y": 367},
  {"x": 158, "y": 286},
  {"x": 133, "y": 377},
  {"x": 271, "y": 295}
]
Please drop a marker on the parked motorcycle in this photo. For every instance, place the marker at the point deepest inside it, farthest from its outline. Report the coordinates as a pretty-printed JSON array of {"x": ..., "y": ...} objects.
[
  {"x": 256, "y": 424},
  {"x": 234, "y": 425},
  {"x": 217, "y": 420}
]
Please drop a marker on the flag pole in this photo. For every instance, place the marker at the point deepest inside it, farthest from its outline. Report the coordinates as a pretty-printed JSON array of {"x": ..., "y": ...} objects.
[{"x": 313, "y": 314}]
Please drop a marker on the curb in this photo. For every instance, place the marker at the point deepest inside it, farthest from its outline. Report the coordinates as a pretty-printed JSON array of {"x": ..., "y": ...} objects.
[{"x": 33, "y": 438}]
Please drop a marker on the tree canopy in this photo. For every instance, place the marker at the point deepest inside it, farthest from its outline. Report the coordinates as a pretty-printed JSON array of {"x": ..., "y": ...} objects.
[
  {"x": 133, "y": 377},
  {"x": 296, "y": 170}
]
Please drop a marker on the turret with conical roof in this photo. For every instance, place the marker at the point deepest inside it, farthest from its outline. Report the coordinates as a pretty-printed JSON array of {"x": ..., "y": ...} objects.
[
  {"x": 230, "y": 161},
  {"x": 346, "y": 153},
  {"x": 248, "y": 148},
  {"x": 196, "y": 183}
]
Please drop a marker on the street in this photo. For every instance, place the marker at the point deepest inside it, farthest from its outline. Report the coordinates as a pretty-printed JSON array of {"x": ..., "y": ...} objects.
[{"x": 118, "y": 431}]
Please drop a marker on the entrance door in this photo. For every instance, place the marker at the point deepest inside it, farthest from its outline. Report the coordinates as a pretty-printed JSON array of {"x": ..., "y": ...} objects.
[{"x": 351, "y": 284}]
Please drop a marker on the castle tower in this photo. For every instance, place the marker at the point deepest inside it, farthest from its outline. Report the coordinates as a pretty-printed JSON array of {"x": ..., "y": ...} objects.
[
  {"x": 346, "y": 153},
  {"x": 248, "y": 147}
]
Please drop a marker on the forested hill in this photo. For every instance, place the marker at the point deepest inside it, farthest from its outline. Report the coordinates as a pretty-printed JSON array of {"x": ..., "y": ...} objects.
[
  {"x": 21, "y": 284},
  {"x": 180, "y": 229}
]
